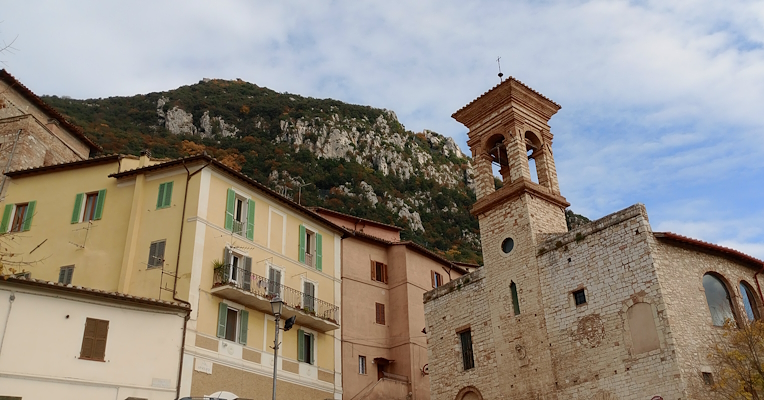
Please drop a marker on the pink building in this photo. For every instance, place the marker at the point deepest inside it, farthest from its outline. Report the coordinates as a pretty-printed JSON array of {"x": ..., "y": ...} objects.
[{"x": 384, "y": 345}]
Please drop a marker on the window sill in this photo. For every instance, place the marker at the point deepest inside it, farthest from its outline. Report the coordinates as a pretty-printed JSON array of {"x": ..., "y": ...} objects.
[{"x": 91, "y": 359}]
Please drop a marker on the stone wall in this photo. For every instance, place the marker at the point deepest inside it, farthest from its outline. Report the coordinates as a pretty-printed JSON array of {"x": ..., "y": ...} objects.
[
  {"x": 680, "y": 270},
  {"x": 618, "y": 343}
]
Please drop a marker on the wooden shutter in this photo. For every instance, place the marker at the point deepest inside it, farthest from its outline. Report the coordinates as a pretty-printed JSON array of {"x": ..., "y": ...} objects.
[
  {"x": 432, "y": 278},
  {"x": 250, "y": 219},
  {"x": 99, "y": 204},
  {"x": 384, "y": 272},
  {"x": 380, "y": 313},
  {"x": 243, "y": 321},
  {"x": 222, "y": 316},
  {"x": 312, "y": 339},
  {"x": 373, "y": 270},
  {"x": 229, "y": 208},
  {"x": 160, "y": 196},
  {"x": 28, "y": 215},
  {"x": 77, "y": 207},
  {"x": 167, "y": 194},
  {"x": 319, "y": 252},
  {"x": 301, "y": 250},
  {"x": 6, "y": 218},
  {"x": 301, "y": 345},
  {"x": 247, "y": 278},
  {"x": 94, "y": 339}
]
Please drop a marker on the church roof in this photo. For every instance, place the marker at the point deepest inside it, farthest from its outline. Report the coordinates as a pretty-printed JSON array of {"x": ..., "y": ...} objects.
[
  {"x": 714, "y": 248},
  {"x": 505, "y": 82}
]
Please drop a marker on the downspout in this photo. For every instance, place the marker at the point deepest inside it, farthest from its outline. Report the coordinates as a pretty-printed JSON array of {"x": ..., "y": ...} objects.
[
  {"x": 8, "y": 164},
  {"x": 7, "y": 319},
  {"x": 175, "y": 276},
  {"x": 182, "y": 349}
]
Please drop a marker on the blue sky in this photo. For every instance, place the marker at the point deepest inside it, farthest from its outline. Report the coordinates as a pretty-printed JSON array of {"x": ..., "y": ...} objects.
[{"x": 661, "y": 101}]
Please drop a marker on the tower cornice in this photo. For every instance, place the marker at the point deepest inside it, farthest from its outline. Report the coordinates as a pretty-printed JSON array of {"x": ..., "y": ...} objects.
[{"x": 515, "y": 190}]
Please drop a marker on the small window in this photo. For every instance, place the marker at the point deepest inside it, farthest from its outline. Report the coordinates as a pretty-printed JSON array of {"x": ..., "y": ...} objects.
[
  {"x": 88, "y": 206},
  {"x": 749, "y": 301},
  {"x": 437, "y": 279},
  {"x": 18, "y": 217},
  {"x": 94, "y": 340},
  {"x": 156, "y": 254},
  {"x": 378, "y": 271},
  {"x": 579, "y": 296},
  {"x": 708, "y": 378},
  {"x": 306, "y": 343},
  {"x": 65, "y": 274},
  {"x": 362, "y": 365},
  {"x": 507, "y": 245},
  {"x": 468, "y": 361},
  {"x": 308, "y": 296},
  {"x": 380, "y": 313},
  {"x": 515, "y": 299},
  {"x": 232, "y": 324},
  {"x": 23, "y": 275},
  {"x": 310, "y": 251},
  {"x": 164, "y": 197},
  {"x": 240, "y": 214}
]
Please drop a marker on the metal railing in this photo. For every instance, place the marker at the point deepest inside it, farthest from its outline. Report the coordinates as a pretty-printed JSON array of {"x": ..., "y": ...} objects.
[
  {"x": 239, "y": 227},
  {"x": 310, "y": 260},
  {"x": 263, "y": 287}
]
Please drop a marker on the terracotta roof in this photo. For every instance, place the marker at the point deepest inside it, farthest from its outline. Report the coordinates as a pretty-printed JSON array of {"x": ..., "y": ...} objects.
[
  {"x": 50, "y": 111},
  {"x": 47, "y": 285},
  {"x": 66, "y": 166},
  {"x": 714, "y": 248},
  {"x": 506, "y": 82},
  {"x": 419, "y": 248},
  {"x": 265, "y": 189},
  {"x": 339, "y": 214}
]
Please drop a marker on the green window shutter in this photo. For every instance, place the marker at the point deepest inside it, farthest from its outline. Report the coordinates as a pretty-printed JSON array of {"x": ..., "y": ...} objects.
[
  {"x": 250, "y": 219},
  {"x": 243, "y": 321},
  {"x": 319, "y": 252},
  {"x": 99, "y": 204},
  {"x": 29, "y": 215},
  {"x": 301, "y": 345},
  {"x": 160, "y": 196},
  {"x": 229, "y": 209},
  {"x": 312, "y": 339},
  {"x": 222, "y": 314},
  {"x": 6, "y": 218},
  {"x": 77, "y": 207},
  {"x": 167, "y": 194},
  {"x": 301, "y": 251}
]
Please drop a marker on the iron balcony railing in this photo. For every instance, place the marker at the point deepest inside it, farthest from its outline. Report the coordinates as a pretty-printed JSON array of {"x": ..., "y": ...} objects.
[
  {"x": 239, "y": 227},
  {"x": 263, "y": 287}
]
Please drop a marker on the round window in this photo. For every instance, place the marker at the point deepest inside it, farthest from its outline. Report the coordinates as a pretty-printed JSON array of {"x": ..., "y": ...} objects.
[{"x": 507, "y": 245}]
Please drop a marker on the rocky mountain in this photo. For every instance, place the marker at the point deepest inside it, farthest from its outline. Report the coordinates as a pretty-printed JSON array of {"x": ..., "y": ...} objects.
[{"x": 320, "y": 152}]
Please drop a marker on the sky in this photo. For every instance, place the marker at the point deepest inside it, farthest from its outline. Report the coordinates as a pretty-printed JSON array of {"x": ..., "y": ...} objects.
[{"x": 662, "y": 101}]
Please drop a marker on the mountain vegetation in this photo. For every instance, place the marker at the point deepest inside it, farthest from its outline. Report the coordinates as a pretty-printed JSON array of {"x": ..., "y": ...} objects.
[{"x": 353, "y": 159}]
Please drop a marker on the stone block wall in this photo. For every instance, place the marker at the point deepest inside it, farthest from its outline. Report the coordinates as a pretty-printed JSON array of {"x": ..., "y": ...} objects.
[
  {"x": 618, "y": 344},
  {"x": 680, "y": 270}
]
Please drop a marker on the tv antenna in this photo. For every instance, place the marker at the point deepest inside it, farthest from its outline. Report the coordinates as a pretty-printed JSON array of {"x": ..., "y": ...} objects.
[{"x": 498, "y": 61}]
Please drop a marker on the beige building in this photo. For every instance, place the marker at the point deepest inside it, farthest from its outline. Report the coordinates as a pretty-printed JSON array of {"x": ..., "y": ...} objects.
[
  {"x": 71, "y": 343},
  {"x": 610, "y": 310},
  {"x": 384, "y": 346},
  {"x": 193, "y": 231},
  {"x": 33, "y": 134}
]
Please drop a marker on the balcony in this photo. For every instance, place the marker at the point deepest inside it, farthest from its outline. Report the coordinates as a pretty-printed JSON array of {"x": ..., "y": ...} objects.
[
  {"x": 239, "y": 227},
  {"x": 256, "y": 292}
]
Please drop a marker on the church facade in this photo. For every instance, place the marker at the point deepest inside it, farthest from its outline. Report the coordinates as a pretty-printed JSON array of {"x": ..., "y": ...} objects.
[{"x": 610, "y": 310}]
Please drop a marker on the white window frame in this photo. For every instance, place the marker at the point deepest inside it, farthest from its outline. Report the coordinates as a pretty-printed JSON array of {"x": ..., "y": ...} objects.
[
  {"x": 238, "y": 308},
  {"x": 235, "y": 253},
  {"x": 314, "y": 348},
  {"x": 310, "y": 244},
  {"x": 304, "y": 280},
  {"x": 362, "y": 370},
  {"x": 268, "y": 267},
  {"x": 238, "y": 195},
  {"x": 83, "y": 207},
  {"x": 13, "y": 217}
]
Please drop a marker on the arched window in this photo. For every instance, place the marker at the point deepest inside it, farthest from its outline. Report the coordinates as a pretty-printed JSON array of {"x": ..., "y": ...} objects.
[
  {"x": 749, "y": 301},
  {"x": 718, "y": 299}
]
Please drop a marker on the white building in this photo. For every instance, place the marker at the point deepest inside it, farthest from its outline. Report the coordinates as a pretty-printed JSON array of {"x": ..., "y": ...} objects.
[{"x": 64, "y": 342}]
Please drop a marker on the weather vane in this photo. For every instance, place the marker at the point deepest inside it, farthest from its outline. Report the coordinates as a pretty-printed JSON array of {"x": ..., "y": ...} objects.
[{"x": 498, "y": 61}]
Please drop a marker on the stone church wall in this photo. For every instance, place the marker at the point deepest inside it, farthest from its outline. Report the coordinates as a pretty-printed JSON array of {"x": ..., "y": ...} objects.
[
  {"x": 618, "y": 344},
  {"x": 681, "y": 271}
]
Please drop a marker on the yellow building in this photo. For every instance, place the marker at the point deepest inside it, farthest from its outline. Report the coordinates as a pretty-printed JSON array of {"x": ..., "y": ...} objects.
[{"x": 192, "y": 230}]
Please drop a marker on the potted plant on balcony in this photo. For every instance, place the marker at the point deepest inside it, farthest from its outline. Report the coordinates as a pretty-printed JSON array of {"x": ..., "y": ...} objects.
[{"x": 221, "y": 275}]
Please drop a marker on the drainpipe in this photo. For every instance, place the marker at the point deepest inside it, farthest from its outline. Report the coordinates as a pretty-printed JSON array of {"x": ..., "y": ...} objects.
[
  {"x": 8, "y": 164},
  {"x": 189, "y": 175},
  {"x": 7, "y": 318}
]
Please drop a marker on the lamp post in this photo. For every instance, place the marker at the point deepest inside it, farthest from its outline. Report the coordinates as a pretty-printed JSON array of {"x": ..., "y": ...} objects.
[{"x": 276, "y": 305}]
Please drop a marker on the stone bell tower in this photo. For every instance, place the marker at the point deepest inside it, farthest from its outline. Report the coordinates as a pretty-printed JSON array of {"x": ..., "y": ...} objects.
[{"x": 509, "y": 129}]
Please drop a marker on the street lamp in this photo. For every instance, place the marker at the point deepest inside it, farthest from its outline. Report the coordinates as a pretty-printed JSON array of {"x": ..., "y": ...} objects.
[{"x": 276, "y": 305}]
